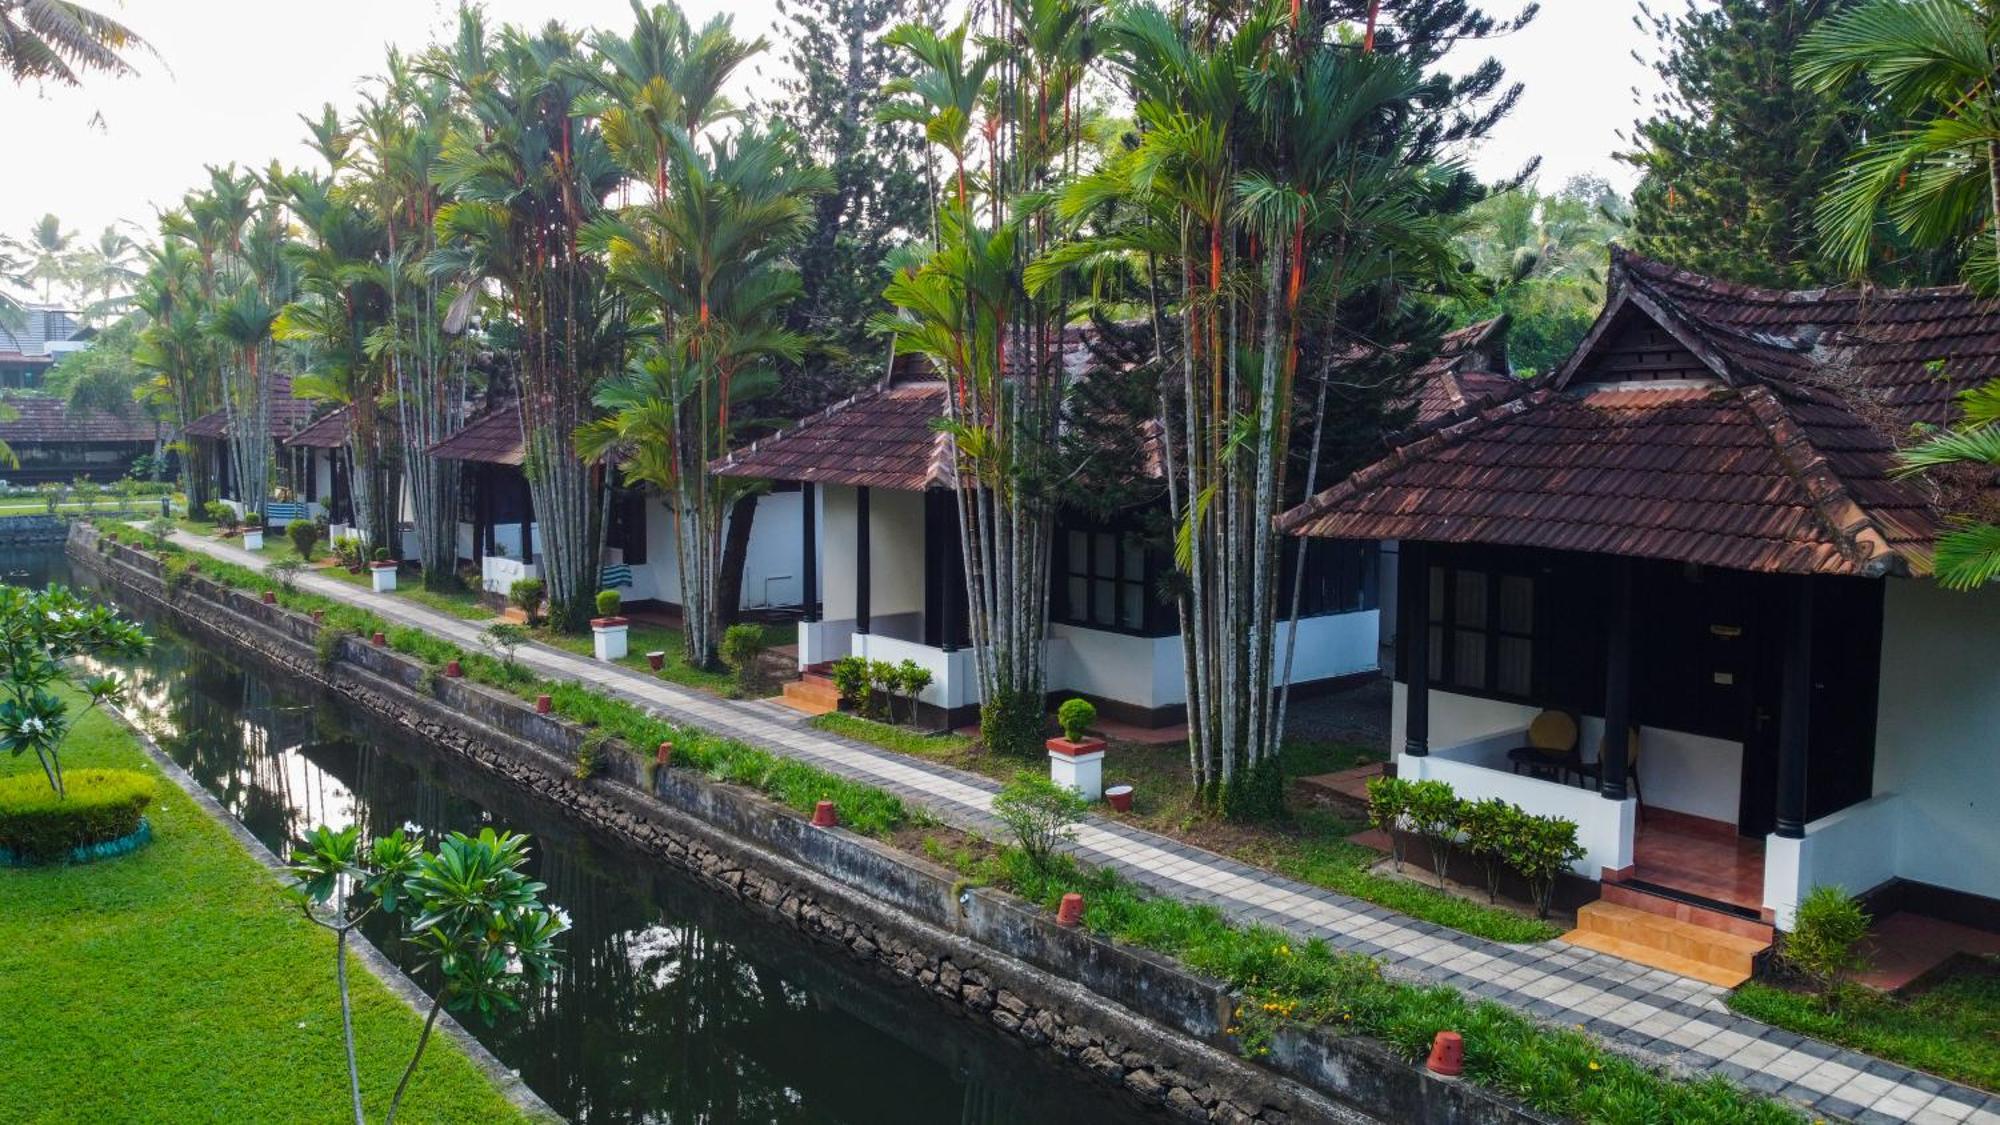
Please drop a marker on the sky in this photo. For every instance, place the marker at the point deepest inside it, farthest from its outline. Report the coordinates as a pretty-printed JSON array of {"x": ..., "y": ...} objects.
[{"x": 233, "y": 77}]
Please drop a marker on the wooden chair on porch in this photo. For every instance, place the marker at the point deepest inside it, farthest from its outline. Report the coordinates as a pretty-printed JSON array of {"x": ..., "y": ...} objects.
[
  {"x": 1551, "y": 748},
  {"x": 1593, "y": 772}
]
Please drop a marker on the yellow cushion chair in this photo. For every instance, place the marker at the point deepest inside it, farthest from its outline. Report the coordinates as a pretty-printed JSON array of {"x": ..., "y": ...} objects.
[{"x": 1551, "y": 748}]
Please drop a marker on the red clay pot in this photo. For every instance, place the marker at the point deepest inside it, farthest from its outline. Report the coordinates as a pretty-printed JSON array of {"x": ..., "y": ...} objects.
[
  {"x": 270, "y": 598},
  {"x": 1119, "y": 797},
  {"x": 1070, "y": 913},
  {"x": 452, "y": 669},
  {"x": 656, "y": 660},
  {"x": 665, "y": 754},
  {"x": 378, "y": 640},
  {"x": 1447, "y": 1054},
  {"x": 542, "y": 704},
  {"x": 825, "y": 815}
]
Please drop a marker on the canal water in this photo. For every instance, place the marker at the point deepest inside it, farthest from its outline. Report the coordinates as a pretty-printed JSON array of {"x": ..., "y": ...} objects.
[{"x": 671, "y": 1003}]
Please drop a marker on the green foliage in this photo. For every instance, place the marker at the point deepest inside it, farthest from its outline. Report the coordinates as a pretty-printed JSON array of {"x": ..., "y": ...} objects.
[
  {"x": 504, "y": 637},
  {"x": 1434, "y": 812},
  {"x": 1738, "y": 148},
  {"x": 1488, "y": 825},
  {"x": 1011, "y": 723},
  {"x": 469, "y": 908},
  {"x": 326, "y": 645},
  {"x": 98, "y": 805},
  {"x": 285, "y": 572},
  {"x": 41, "y": 634},
  {"x": 609, "y": 602},
  {"x": 380, "y": 554},
  {"x": 900, "y": 739},
  {"x": 1075, "y": 717},
  {"x": 1825, "y": 940},
  {"x": 526, "y": 595},
  {"x": 850, "y": 679},
  {"x": 348, "y": 549},
  {"x": 742, "y": 649},
  {"x": 1947, "y": 1029},
  {"x": 219, "y": 513},
  {"x": 1541, "y": 261},
  {"x": 590, "y": 753},
  {"x": 1542, "y": 848},
  {"x": 304, "y": 535},
  {"x": 1388, "y": 811},
  {"x": 1040, "y": 814},
  {"x": 1560, "y": 1072}
]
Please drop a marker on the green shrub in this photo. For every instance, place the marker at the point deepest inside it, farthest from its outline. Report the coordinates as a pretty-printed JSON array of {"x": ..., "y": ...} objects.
[
  {"x": 1040, "y": 814},
  {"x": 36, "y": 825},
  {"x": 218, "y": 513},
  {"x": 1434, "y": 815},
  {"x": 1388, "y": 807},
  {"x": 609, "y": 602},
  {"x": 1487, "y": 825},
  {"x": 304, "y": 535},
  {"x": 590, "y": 754},
  {"x": 526, "y": 595},
  {"x": 742, "y": 648},
  {"x": 1825, "y": 940},
  {"x": 911, "y": 680},
  {"x": 349, "y": 551},
  {"x": 850, "y": 679},
  {"x": 504, "y": 637},
  {"x": 1075, "y": 717},
  {"x": 381, "y": 554},
  {"x": 1542, "y": 848}
]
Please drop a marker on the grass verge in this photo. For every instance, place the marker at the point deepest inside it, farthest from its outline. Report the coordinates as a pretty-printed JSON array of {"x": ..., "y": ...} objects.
[
  {"x": 1951, "y": 1029},
  {"x": 175, "y": 984},
  {"x": 903, "y": 740}
]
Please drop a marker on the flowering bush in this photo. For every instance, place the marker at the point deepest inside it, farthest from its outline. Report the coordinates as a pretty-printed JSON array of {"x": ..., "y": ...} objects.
[{"x": 39, "y": 632}]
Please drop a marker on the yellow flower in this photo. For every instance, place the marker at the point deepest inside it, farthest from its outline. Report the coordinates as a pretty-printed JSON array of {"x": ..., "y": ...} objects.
[{"x": 1594, "y": 1065}]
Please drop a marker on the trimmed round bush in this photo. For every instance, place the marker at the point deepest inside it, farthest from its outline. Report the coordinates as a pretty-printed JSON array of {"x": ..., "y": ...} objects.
[
  {"x": 609, "y": 602},
  {"x": 36, "y": 826}
]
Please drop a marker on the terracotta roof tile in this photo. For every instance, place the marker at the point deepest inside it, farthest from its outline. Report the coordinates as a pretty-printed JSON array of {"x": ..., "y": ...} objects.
[
  {"x": 46, "y": 420},
  {"x": 494, "y": 438},
  {"x": 330, "y": 432},
  {"x": 288, "y": 413}
]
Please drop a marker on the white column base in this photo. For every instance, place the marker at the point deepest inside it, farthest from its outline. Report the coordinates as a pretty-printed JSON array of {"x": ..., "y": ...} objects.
[
  {"x": 812, "y": 643},
  {"x": 384, "y": 578},
  {"x": 253, "y": 540},
  {"x": 1082, "y": 774}
]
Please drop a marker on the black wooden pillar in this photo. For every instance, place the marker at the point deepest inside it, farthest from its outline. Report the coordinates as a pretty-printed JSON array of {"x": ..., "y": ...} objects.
[
  {"x": 809, "y": 553},
  {"x": 527, "y": 520},
  {"x": 1795, "y": 714},
  {"x": 951, "y": 583},
  {"x": 1614, "y": 752},
  {"x": 861, "y": 559},
  {"x": 1417, "y": 650}
]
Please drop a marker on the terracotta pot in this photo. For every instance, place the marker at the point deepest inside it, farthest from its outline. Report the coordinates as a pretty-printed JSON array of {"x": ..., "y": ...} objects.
[
  {"x": 1070, "y": 913},
  {"x": 1119, "y": 797},
  {"x": 656, "y": 660},
  {"x": 825, "y": 815}
]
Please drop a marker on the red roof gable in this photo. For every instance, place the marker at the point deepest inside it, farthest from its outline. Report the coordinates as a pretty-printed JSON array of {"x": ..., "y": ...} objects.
[
  {"x": 40, "y": 419},
  {"x": 288, "y": 413},
  {"x": 493, "y": 439},
  {"x": 884, "y": 437}
]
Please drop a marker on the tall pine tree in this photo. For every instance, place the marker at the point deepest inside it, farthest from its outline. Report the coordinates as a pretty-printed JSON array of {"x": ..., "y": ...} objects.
[
  {"x": 1737, "y": 150},
  {"x": 840, "y": 68}
]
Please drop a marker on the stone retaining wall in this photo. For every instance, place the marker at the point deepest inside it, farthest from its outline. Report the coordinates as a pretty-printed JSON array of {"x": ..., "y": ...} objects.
[{"x": 1127, "y": 1015}]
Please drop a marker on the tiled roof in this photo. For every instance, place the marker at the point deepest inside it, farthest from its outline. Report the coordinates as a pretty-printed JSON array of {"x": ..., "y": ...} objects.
[
  {"x": 493, "y": 439},
  {"x": 1781, "y": 461},
  {"x": 330, "y": 432},
  {"x": 1469, "y": 368},
  {"x": 287, "y": 413},
  {"x": 45, "y": 420},
  {"x": 884, "y": 437}
]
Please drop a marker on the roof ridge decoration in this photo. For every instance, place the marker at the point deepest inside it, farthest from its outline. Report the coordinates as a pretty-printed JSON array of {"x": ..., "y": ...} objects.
[{"x": 1850, "y": 526}]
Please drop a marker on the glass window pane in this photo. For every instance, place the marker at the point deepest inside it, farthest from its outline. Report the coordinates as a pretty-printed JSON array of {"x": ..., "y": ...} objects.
[
  {"x": 1436, "y": 599},
  {"x": 1516, "y": 671},
  {"x": 1132, "y": 609},
  {"x": 1107, "y": 555},
  {"x": 1468, "y": 601},
  {"x": 1436, "y": 653},
  {"x": 1079, "y": 555},
  {"x": 1078, "y": 608},
  {"x": 1104, "y": 606},
  {"x": 1135, "y": 560},
  {"x": 1468, "y": 658},
  {"x": 1517, "y": 604}
]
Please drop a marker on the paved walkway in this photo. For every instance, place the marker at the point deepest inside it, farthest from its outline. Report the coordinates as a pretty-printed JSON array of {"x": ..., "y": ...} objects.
[{"x": 1652, "y": 1014}]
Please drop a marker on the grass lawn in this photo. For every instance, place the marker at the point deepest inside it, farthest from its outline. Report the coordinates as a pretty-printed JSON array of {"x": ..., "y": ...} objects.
[
  {"x": 1951, "y": 1029},
  {"x": 1310, "y": 845},
  {"x": 175, "y": 984},
  {"x": 643, "y": 638}
]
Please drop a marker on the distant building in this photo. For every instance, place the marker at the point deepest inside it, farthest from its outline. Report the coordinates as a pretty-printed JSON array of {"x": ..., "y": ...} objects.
[
  {"x": 28, "y": 349},
  {"x": 54, "y": 443}
]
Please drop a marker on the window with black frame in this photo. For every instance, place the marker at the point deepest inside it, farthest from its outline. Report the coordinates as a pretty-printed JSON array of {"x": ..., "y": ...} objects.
[
  {"x": 1105, "y": 580},
  {"x": 1341, "y": 576},
  {"x": 1482, "y": 630}
]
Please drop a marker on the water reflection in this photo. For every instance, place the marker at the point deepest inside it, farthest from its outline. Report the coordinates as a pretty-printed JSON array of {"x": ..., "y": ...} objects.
[{"x": 672, "y": 1004}]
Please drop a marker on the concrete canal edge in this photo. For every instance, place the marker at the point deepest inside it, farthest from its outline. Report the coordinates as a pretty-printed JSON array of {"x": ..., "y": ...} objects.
[
  {"x": 388, "y": 972},
  {"x": 1132, "y": 1018}
]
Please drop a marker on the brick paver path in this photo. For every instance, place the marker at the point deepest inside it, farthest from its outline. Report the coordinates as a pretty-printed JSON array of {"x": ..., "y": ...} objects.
[{"x": 1655, "y": 1015}]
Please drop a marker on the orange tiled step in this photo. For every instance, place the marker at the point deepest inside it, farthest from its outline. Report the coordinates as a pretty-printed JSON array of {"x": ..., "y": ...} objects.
[
  {"x": 812, "y": 695},
  {"x": 1637, "y": 899},
  {"x": 1667, "y": 943}
]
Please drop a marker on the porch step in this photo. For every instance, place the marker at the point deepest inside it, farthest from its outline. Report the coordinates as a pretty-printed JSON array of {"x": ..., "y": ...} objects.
[
  {"x": 1686, "y": 909},
  {"x": 814, "y": 695},
  {"x": 1666, "y": 942}
]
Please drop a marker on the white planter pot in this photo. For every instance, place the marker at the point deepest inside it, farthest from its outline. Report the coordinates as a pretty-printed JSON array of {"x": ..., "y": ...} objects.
[
  {"x": 384, "y": 578},
  {"x": 253, "y": 540},
  {"x": 1081, "y": 773},
  {"x": 609, "y": 640}
]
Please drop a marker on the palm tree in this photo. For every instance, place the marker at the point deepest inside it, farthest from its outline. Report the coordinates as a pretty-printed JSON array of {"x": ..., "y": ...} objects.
[
  {"x": 49, "y": 256},
  {"x": 54, "y": 41},
  {"x": 106, "y": 269},
  {"x": 1937, "y": 180},
  {"x": 526, "y": 172},
  {"x": 1933, "y": 62},
  {"x": 707, "y": 258}
]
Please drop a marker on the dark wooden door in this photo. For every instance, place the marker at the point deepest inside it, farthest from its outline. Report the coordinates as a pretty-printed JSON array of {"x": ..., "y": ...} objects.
[{"x": 1761, "y": 666}]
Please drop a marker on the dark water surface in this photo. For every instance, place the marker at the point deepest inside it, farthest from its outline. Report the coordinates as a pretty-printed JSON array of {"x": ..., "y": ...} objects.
[{"x": 672, "y": 1003}]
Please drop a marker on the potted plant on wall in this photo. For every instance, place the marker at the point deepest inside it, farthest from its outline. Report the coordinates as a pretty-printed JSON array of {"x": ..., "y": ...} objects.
[
  {"x": 607, "y": 629},
  {"x": 383, "y": 571},
  {"x": 253, "y": 531},
  {"x": 1076, "y": 760}
]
